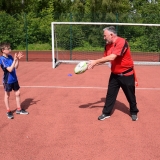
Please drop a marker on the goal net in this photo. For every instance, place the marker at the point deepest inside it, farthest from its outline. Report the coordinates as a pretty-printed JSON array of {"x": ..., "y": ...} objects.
[{"x": 73, "y": 42}]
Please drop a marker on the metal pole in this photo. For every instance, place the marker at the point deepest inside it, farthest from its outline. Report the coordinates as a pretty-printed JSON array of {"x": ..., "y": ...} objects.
[
  {"x": 25, "y": 25},
  {"x": 71, "y": 37},
  {"x": 53, "y": 56},
  {"x": 25, "y": 28},
  {"x": 117, "y": 22}
]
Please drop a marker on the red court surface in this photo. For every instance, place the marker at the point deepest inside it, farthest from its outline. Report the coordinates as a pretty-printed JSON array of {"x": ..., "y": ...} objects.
[{"x": 63, "y": 125}]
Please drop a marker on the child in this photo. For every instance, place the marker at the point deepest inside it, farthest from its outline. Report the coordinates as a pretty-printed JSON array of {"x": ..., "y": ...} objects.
[{"x": 10, "y": 81}]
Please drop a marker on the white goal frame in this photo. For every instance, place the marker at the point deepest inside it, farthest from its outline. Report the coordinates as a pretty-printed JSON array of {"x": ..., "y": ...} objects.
[{"x": 54, "y": 64}]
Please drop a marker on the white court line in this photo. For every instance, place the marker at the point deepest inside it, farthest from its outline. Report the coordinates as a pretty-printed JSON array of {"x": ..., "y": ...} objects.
[{"x": 70, "y": 87}]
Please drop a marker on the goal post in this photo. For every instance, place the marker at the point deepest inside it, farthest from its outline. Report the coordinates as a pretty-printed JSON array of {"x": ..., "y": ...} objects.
[{"x": 73, "y": 42}]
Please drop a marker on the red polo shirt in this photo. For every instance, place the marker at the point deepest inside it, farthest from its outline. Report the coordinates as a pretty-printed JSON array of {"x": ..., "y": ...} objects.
[{"x": 123, "y": 61}]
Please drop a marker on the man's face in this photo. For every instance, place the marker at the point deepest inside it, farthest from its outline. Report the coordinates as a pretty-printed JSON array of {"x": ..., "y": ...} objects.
[{"x": 108, "y": 36}]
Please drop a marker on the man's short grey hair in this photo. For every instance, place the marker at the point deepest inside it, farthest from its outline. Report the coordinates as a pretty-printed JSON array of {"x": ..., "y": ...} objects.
[{"x": 111, "y": 29}]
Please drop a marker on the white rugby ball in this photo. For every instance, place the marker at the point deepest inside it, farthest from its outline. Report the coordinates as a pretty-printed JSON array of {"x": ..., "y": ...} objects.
[{"x": 80, "y": 67}]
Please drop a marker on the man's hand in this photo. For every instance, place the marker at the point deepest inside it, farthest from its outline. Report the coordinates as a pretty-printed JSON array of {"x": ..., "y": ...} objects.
[{"x": 91, "y": 64}]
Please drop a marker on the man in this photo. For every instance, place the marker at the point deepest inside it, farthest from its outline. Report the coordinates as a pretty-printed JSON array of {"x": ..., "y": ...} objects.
[{"x": 117, "y": 52}]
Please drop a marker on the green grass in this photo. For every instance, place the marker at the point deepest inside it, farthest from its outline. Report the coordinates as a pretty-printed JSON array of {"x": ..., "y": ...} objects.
[
  {"x": 48, "y": 47},
  {"x": 88, "y": 49},
  {"x": 36, "y": 47},
  {"x": 44, "y": 47}
]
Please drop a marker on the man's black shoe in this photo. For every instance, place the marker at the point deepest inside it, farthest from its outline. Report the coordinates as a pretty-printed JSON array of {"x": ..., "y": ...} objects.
[
  {"x": 134, "y": 117},
  {"x": 103, "y": 117}
]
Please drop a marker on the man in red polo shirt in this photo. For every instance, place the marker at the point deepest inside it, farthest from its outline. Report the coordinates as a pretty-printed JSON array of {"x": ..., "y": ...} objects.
[{"x": 117, "y": 53}]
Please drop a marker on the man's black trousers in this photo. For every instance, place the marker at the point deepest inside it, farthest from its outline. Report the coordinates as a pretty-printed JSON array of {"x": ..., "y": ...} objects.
[{"x": 127, "y": 83}]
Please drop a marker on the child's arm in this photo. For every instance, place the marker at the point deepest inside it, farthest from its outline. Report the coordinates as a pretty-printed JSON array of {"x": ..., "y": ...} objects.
[
  {"x": 10, "y": 68},
  {"x": 19, "y": 56}
]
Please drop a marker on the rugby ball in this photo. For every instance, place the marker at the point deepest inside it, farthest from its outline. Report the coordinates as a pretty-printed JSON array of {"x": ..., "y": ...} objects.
[{"x": 80, "y": 67}]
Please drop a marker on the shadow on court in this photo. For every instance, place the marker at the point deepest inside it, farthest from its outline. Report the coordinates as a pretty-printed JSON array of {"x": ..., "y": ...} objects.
[
  {"x": 28, "y": 102},
  {"x": 118, "y": 106}
]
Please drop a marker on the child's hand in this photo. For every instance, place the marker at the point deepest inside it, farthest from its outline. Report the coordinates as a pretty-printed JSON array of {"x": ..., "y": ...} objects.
[
  {"x": 15, "y": 56},
  {"x": 20, "y": 55}
]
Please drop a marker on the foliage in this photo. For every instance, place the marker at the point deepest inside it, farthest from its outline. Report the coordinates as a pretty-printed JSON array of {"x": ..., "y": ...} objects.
[{"x": 11, "y": 29}]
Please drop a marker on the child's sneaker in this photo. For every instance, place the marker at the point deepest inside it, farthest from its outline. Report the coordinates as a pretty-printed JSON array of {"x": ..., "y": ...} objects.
[
  {"x": 10, "y": 115},
  {"x": 22, "y": 111}
]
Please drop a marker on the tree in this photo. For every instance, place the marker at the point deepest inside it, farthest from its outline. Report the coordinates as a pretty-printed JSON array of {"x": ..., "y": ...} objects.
[
  {"x": 12, "y": 29},
  {"x": 116, "y": 6}
]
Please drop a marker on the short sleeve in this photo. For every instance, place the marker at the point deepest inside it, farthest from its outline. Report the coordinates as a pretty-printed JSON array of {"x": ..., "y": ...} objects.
[{"x": 4, "y": 62}]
